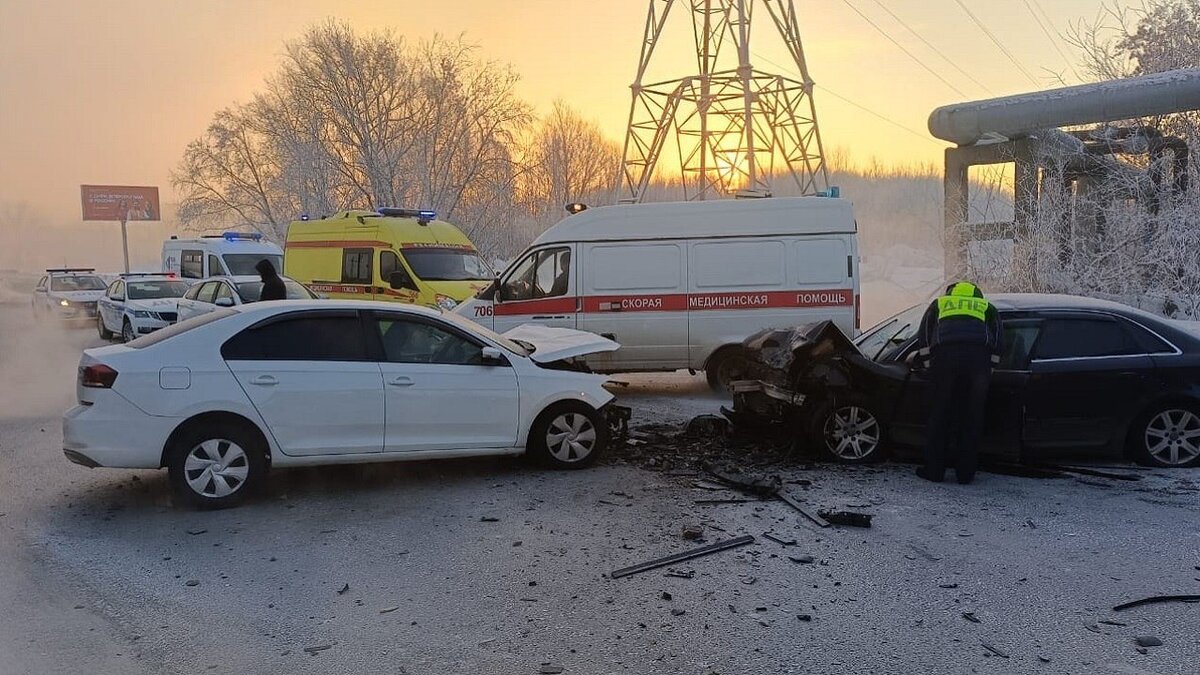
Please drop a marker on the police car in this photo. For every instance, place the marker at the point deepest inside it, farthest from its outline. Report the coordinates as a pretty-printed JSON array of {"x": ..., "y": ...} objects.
[
  {"x": 137, "y": 304},
  {"x": 68, "y": 293}
]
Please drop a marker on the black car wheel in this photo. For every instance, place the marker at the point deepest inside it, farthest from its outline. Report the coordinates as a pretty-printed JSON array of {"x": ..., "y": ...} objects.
[
  {"x": 726, "y": 366},
  {"x": 105, "y": 333},
  {"x": 851, "y": 432},
  {"x": 568, "y": 435},
  {"x": 127, "y": 333},
  {"x": 1169, "y": 436}
]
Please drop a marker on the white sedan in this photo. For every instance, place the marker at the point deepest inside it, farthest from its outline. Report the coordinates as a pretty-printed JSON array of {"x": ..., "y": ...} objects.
[
  {"x": 220, "y": 398},
  {"x": 209, "y": 294},
  {"x": 137, "y": 304}
]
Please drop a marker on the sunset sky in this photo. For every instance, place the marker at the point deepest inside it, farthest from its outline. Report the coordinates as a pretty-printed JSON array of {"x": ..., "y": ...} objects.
[{"x": 111, "y": 91}]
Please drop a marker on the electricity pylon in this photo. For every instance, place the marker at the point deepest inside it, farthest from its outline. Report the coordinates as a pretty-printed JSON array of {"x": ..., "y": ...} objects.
[{"x": 733, "y": 125}]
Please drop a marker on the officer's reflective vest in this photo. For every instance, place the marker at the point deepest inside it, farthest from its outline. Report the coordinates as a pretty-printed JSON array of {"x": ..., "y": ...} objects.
[{"x": 962, "y": 302}]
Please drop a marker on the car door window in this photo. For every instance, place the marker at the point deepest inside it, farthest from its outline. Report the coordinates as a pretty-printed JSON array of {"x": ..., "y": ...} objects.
[
  {"x": 112, "y": 289},
  {"x": 41, "y": 284},
  {"x": 192, "y": 292},
  {"x": 409, "y": 341},
  {"x": 214, "y": 265},
  {"x": 208, "y": 292},
  {"x": 1072, "y": 338},
  {"x": 223, "y": 291},
  {"x": 329, "y": 336},
  {"x": 1019, "y": 338},
  {"x": 388, "y": 262},
  {"x": 1147, "y": 342},
  {"x": 542, "y": 274}
]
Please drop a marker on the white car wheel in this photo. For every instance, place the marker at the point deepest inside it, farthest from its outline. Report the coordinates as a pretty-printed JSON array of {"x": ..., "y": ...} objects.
[
  {"x": 569, "y": 436},
  {"x": 215, "y": 465},
  {"x": 216, "y": 468}
]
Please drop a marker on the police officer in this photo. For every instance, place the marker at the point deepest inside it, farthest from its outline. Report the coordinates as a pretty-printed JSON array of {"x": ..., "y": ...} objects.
[{"x": 962, "y": 336}]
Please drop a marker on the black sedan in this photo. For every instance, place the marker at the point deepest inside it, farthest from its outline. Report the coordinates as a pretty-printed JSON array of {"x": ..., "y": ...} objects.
[{"x": 1077, "y": 374}]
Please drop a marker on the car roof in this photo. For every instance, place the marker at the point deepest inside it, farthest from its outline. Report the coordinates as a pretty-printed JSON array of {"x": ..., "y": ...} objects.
[
  {"x": 1031, "y": 301},
  {"x": 240, "y": 278},
  {"x": 301, "y": 305}
]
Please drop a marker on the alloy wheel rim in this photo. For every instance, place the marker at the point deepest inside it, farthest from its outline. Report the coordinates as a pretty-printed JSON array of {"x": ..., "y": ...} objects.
[
  {"x": 216, "y": 468},
  {"x": 1173, "y": 437},
  {"x": 852, "y": 432},
  {"x": 571, "y": 437},
  {"x": 127, "y": 332}
]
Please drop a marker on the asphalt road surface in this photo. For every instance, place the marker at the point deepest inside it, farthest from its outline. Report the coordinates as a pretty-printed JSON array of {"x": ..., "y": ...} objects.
[{"x": 492, "y": 566}]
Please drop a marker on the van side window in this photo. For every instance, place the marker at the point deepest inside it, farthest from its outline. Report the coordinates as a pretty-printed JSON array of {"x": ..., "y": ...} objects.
[
  {"x": 356, "y": 265},
  {"x": 542, "y": 274},
  {"x": 214, "y": 265},
  {"x": 191, "y": 264},
  {"x": 739, "y": 264},
  {"x": 818, "y": 261},
  {"x": 636, "y": 266},
  {"x": 388, "y": 262}
]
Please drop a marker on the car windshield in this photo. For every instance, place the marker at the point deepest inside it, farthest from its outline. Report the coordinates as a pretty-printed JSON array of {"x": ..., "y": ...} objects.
[
  {"x": 472, "y": 327},
  {"x": 447, "y": 264},
  {"x": 242, "y": 264},
  {"x": 145, "y": 290},
  {"x": 881, "y": 342},
  {"x": 251, "y": 291},
  {"x": 77, "y": 282}
]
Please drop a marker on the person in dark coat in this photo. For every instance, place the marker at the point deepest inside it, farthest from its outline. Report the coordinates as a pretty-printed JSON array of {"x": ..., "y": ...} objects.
[
  {"x": 272, "y": 284},
  {"x": 962, "y": 336}
]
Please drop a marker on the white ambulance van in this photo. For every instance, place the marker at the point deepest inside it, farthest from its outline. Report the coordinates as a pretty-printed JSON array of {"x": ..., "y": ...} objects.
[
  {"x": 231, "y": 254},
  {"x": 682, "y": 284}
]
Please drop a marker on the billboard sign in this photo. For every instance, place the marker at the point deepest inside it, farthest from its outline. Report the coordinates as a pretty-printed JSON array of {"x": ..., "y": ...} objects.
[{"x": 120, "y": 202}]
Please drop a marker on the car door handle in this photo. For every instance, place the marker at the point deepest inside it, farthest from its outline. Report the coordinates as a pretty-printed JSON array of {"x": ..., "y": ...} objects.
[
  {"x": 402, "y": 381},
  {"x": 265, "y": 381}
]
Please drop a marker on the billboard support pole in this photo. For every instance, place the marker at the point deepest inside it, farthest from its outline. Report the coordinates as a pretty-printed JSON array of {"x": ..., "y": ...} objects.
[{"x": 125, "y": 243}]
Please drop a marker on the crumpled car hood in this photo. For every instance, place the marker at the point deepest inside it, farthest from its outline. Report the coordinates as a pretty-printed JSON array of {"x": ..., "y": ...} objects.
[
  {"x": 785, "y": 350},
  {"x": 558, "y": 344}
]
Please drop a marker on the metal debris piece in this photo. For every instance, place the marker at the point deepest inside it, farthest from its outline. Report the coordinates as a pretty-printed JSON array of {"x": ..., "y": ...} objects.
[
  {"x": 693, "y": 532},
  {"x": 777, "y": 540},
  {"x": 801, "y": 559},
  {"x": 1156, "y": 599},
  {"x": 762, "y": 486},
  {"x": 680, "y": 574},
  {"x": 343, "y": 589},
  {"x": 312, "y": 651},
  {"x": 489, "y": 519},
  {"x": 970, "y": 616},
  {"x": 680, "y": 557},
  {"x": 792, "y": 502},
  {"x": 993, "y": 649},
  {"x": 847, "y": 518},
  {"x": 389, "y": 610},
  {"x": 707, "y": 426},
  {"x": 1147, "y": 641},
  {"x": 550, "y": 669}
]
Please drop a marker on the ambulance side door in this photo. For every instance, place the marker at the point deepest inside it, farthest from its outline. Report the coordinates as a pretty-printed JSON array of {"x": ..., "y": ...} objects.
[
  {"x": 540, "y": 289},
  {"x": 634, "y": 293}
]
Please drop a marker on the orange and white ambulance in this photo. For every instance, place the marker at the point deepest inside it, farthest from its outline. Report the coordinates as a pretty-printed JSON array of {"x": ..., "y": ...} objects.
[{"x": 682, "y": 284}]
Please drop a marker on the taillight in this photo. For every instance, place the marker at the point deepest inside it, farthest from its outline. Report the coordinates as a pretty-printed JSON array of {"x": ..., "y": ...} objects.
[{"x": 97, "y": 376}]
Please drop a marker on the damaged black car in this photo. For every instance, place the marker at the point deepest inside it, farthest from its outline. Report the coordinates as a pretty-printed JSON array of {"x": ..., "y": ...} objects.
[{"x": 1078, "y": 375}]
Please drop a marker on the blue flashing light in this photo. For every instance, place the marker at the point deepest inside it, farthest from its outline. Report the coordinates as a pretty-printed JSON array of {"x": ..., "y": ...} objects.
[
  {"x": 242, "y": 236},
  {"x": 834, "y": 192},
  {"x": 303, "y": 216},
  {"x": 427, "y": 215}
]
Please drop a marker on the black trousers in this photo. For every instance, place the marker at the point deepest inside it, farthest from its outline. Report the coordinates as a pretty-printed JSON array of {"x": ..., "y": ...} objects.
[{"x": 961, "y": 374}]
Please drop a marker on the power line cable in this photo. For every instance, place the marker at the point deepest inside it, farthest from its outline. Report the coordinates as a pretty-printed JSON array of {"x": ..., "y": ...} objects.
[
  {"x": 844, "y": 99},
  {"x": 933, "y": 47},
  {"x": 903, "y": 49},
  {"x": 1050, "y": 36},
  {"x": 995, "y": 40}
]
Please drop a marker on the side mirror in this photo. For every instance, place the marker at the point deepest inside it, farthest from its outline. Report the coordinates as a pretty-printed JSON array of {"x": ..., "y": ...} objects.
[
  {"x": 399, "y": 279},
  {"x": 493, "y": 357},
  {"x": 223, "y": 302}
]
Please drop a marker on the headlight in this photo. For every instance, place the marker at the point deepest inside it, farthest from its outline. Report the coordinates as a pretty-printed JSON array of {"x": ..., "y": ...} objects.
[
  {"x": 446, "y": 302},
  {"x": 141, "y": 314},
  {"x": 64, "y": 303}
]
